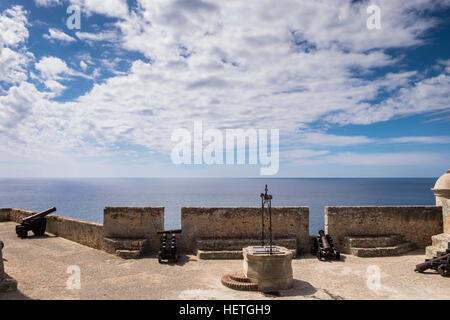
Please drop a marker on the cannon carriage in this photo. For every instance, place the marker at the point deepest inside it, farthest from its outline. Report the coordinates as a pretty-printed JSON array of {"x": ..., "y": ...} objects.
[
  {"x": 440, "y": 263},
  {"x": 36, "y": 223},
  {"x": 323, "y": 247},
  {"x": 168, "y": 250}
]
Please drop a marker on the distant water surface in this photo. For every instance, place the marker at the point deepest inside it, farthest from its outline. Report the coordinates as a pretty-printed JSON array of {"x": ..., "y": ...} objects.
[{"x": 85, "y": 198}]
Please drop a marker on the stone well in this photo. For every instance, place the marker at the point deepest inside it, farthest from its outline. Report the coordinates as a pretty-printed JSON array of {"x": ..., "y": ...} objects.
[{"x": 272, "y": 272}]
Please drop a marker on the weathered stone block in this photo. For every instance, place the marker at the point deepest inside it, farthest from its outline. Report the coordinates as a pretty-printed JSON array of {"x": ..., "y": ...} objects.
[
  {"x": 134, "y": 223},
  {"x": 415, "y": 223},
  {"x": 395, "y": 250},
  {"x": 111, "y": 245},
  {"x": 84, "y": 232},
  {"x": 270, "y": 272},
  {"x": 129, "y": 254},
  {"x": 200, "y": 223}
]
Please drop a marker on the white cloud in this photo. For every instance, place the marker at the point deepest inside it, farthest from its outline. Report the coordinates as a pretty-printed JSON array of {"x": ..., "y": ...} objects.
[
  {"x": 303, "y": 153},
  {"x": 111, "y": 8},
  {"x": 377, "y": 159},
  {"x": 323, "y": 139},
  {"x": 423, "y": 139},
  {"x": 47, "y": 3},
  {"x": 13, "y": 28},
  {"x": 237, "y": 64},
  {"x": 13, "y": 34},
  {"x": 83, "y": 65},
  {"x": 101, "y": 36},
  {"x": 55, "y": 86},
  {"x": 13, "y": 66},
  {"x": 17, "y": 105},
  {"x": 55, "y": 34},
  {"x": 430, "y": 94},
  {"x": 52, "y": 68}
]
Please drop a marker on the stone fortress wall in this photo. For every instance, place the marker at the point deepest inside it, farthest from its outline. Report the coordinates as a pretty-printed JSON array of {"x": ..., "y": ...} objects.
[
  {"x": 84, "y": 232},
  {"x": 225, "y": 223},
  {"x": 416, "y": 223},
  {"x": 134, "y": 223}
]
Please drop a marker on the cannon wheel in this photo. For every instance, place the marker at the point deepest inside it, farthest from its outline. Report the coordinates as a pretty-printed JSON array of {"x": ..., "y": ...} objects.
[
  {"x": 319, "y": 255},
  {"x": 39, "y": 230},
  {"x": 315, "y": 247},
  {"x": 39, "y": 226},
  {"x": 21, "y": 232},
  {"x": 444, "y": 270}
]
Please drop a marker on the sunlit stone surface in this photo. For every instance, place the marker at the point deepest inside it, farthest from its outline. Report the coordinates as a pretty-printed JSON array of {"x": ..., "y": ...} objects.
[{"x": 272, "y": 272}]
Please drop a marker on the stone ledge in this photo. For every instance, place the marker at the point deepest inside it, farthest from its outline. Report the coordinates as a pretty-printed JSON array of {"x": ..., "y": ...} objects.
[
  {"x": 110, "y": 245},
  {"x": 129, "y": 254},
  {"x": 441, "y": 241},
  {"x": 238, "y": 244},
  {"x": 373, "y": 241},
  {"x": 383, "y": 251},
  {"x": 223, "y": 254}
]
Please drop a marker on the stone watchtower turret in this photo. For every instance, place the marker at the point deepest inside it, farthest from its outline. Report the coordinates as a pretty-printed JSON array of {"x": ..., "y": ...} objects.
[{"x": 441, "y": 190}]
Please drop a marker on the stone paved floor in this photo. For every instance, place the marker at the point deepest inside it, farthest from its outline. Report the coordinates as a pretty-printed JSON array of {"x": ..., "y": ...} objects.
[{"x": 40, "y": 267}]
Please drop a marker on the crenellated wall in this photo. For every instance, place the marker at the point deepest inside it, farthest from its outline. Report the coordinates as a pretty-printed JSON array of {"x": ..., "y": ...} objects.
[
  {"x": 134, "y": 223},
  {"x": 242, "y": 223},
  {"x": 84, "y": 232},
  {"x": 416, "y": 223}
]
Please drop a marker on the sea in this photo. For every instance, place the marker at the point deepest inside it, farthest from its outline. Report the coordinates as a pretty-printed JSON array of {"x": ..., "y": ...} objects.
[{"x": 85, "y": 198}]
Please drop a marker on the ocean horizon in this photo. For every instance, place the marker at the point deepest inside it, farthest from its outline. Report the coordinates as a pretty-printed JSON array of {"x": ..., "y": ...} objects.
[{"x": 85, "y": 198}]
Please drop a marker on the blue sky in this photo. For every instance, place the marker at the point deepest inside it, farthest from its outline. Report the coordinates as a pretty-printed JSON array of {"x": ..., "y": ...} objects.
[{"x": 103, "y": 100}]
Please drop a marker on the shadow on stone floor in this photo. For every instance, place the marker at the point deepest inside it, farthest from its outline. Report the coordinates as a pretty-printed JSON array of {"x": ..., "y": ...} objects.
[
  {"x": 414, "y": 253},
  {"x": 32, "y": 236},
  {"x": 14, "y": 295},
  {"x": 182, "y": 260},
  {"x": 309, "y": 256},
  {"x": 300, "y": 288}
]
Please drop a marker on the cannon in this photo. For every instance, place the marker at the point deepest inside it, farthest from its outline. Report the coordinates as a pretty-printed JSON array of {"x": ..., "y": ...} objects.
[
  {"x": 36, "y": 223},
  {"x": 168, "y": 250},
  {"x": 323, "y": 247},
  {"x": 441, "y": 264}
]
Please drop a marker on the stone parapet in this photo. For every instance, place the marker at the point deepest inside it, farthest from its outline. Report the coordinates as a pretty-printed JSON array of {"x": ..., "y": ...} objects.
[
  {"x": 222, "y": 223},
  {"x": 134, "y": 223},
  {"x": 415, "y": 223},
  {"x": 84, "y": 232}
]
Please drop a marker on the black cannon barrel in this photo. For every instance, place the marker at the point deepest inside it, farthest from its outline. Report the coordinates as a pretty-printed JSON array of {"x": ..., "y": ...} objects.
[
  {"x": 325, "y": 244},
  {"x": 39, "y": 215},
  {"x": 428, "y": 264}
]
